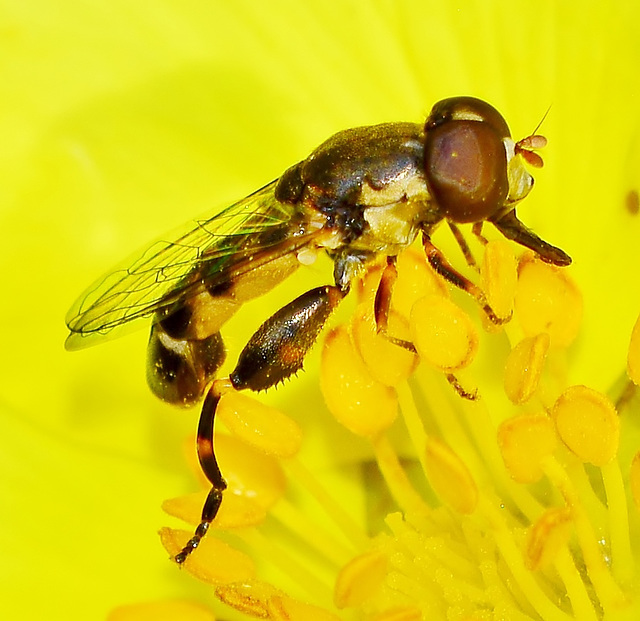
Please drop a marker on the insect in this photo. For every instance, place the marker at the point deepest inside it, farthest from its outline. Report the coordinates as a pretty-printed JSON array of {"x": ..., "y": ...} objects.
[{"x": 364, "y": 193}]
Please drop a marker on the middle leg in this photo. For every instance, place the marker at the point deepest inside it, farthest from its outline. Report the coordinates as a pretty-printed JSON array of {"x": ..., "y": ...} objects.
[
  {"x": 449, "y": 273},
  {"x": 382, "y": 307}
]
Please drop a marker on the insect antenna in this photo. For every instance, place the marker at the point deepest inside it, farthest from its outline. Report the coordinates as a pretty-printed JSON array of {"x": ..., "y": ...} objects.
[{"x": 526, "y": 147}]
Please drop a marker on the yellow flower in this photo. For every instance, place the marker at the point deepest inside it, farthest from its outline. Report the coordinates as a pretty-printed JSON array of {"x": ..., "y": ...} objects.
[{"x": 120, "y": 121}]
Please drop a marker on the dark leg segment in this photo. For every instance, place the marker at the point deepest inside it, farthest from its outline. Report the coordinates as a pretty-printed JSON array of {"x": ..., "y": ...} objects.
[
  {"x": 209, "y": 465},
  {"x": 277, "y": 350},
  {"x": 446, "y": 270},
  {"x": 464, "y": 246},
  {"x": 513, "y": 229},
  {"x": 273, "y": 353},
  {"x": 382, "y": 304},
  {"x": 477, "y": 231}
]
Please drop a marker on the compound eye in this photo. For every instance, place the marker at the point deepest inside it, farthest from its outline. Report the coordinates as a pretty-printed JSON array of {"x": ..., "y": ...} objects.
[
  {"x": 466, "y": 161},
  {"x": 467, "y": 109}
]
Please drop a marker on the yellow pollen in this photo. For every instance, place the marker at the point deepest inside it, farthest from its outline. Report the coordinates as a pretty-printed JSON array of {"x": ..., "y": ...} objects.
[
  {"x": 633, "y": 357},
  {"x": 360, "y": 579},
  {"x": 587, "y": 422},
  {"x": 547, "y": 537},
  {"x": 499, "y": 277},
  {"x": 547, "y": 300},
  {"x": 215, "y": 563},
  {"x": 524, "y": 442},
  {"x": 259, "y": 425},
  {"x": 443, "y": 333},
  {"x": 357, "y": 400},
  {"x": 450, "y": 477},
  {"x": 524, "y": 367}
]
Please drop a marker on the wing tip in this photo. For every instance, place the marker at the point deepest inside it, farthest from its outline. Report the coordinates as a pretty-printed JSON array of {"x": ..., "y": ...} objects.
[{"x": 76, "y": 341}]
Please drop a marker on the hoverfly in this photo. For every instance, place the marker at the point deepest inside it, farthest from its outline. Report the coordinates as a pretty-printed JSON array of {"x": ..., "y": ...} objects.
[{"x": 364, "y": 193}]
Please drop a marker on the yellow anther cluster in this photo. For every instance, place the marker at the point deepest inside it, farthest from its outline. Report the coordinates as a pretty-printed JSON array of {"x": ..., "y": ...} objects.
[{"x": 497, "y": 504}]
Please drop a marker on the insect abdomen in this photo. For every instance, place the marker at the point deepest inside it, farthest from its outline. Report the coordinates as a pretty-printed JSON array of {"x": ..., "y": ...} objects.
[{"x": 178, "y": 370}]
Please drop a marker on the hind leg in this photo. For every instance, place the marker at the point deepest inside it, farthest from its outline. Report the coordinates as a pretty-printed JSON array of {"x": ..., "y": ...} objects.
[{"x": 275, "y": 352}]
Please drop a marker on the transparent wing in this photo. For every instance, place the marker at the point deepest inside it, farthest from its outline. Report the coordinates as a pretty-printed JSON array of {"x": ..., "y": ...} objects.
[{"x": 155, "y": 278}]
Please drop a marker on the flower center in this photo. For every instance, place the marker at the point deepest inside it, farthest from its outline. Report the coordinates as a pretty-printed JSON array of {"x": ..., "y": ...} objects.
[{"x": 502, "y": 491}]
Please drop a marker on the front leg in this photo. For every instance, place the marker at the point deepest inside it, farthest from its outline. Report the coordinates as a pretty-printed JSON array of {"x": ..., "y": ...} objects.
[
  {"x": 275, "y": 352},
  {"x": 513, "y": 229},
  {"x": 464, "y": 246}
]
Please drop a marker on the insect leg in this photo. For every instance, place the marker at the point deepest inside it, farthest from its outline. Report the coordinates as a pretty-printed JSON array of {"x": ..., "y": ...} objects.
[
  {"x": 275, "y": 352},
  {"x": 381, "y": 309},
  {"x": 446, "y": 270},
  {"x": 513, "y": 229},
  {"x": 464, "y": 246},
  {"x": 477, "y": 231},
  {"x": 209, "y": 465},
  {"x": 382, "y": 304}
]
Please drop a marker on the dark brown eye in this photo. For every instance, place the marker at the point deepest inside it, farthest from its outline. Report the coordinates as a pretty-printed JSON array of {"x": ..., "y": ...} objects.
[{"x": 465, "y": 159}]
